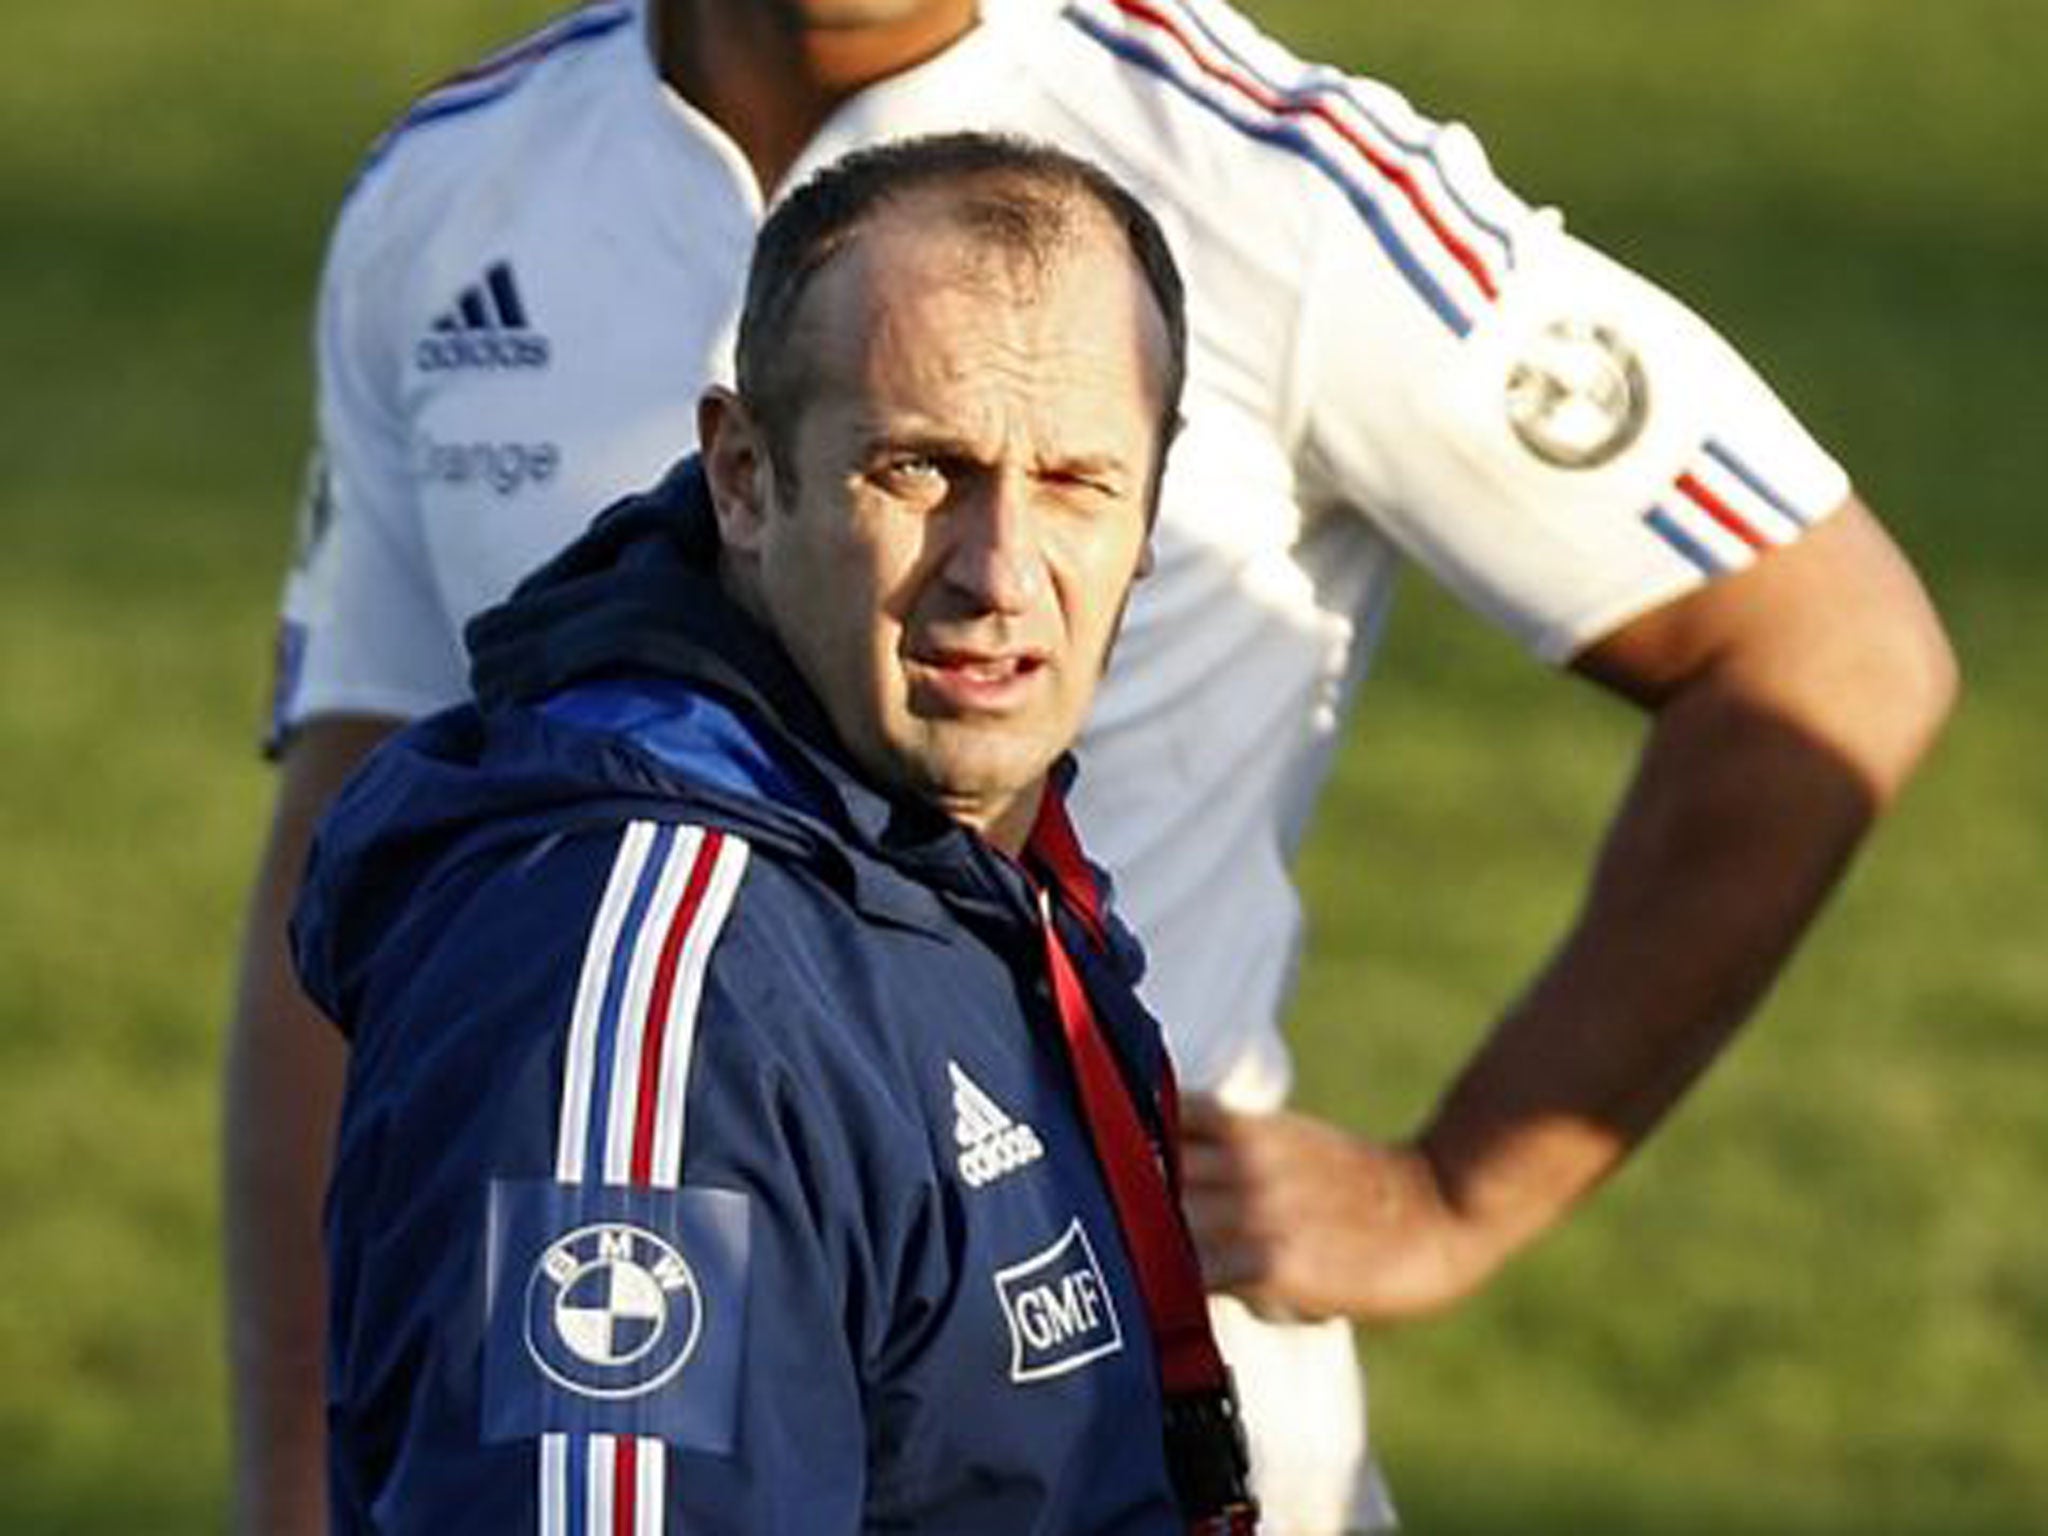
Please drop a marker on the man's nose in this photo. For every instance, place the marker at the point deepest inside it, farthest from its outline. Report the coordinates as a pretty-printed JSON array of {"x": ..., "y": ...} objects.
[{"x": 996, "y": 557}]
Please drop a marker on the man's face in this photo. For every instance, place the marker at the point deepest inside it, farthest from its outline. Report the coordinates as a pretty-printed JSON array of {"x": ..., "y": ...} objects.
[{"x": 973, "y": 464}]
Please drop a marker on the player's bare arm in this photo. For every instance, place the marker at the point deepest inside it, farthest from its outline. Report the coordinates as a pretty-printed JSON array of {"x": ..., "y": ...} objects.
[
  {"x": 1790, "y": 705},
  {"x": 283, "y": 1077}
]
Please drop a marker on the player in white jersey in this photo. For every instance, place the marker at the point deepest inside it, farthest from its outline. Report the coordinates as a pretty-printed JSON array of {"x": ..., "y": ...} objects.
[{"x": 1392, "y": 356}]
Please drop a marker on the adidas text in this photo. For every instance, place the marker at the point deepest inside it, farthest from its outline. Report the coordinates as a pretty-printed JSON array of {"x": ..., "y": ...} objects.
[
  {"x": 445, "y": 352},
  {"x": 1001, "y": 1153}
]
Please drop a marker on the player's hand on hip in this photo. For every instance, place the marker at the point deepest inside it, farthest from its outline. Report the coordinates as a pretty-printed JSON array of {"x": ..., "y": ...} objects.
[{"x": 1296, "y": 1216}]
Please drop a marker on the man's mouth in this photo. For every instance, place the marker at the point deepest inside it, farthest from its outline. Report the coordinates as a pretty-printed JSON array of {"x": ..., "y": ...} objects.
[{"x": 977, "y": 680}]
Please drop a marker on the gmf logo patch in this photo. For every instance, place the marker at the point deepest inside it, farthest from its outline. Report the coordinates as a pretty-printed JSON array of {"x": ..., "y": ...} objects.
[{"x": 1059, "y": 1308}]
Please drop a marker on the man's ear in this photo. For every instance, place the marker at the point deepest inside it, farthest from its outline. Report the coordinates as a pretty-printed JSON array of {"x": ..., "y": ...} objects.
[
  {"x": 736, "y": 468},
  {"x": 1148, "y": 552}
]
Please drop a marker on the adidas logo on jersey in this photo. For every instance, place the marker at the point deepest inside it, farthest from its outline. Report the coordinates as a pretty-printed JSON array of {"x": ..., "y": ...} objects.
[
  {"x": 991, "y": 1143},
  {"x": 486, "y": 328}
]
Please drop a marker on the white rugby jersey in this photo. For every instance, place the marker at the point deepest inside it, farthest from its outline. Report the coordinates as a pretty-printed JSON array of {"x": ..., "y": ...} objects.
[{"x": 1390, "y": 355}]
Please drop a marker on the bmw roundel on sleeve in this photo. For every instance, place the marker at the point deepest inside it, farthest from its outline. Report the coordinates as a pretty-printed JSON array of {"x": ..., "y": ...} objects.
[
  {"x": 1577, "y": 397},
  {"x": 614, "y": 1309}
]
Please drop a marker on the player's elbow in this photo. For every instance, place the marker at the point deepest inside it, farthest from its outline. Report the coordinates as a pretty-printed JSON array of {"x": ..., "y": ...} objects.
[
  {"x": 1870, "y": 665},
  {"x": 1891, "y": 692},
  {"x": 1926, "y": 683}
]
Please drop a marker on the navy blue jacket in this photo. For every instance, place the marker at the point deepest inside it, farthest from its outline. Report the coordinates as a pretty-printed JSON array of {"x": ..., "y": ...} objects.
[{"x": 710, "y": 1161}]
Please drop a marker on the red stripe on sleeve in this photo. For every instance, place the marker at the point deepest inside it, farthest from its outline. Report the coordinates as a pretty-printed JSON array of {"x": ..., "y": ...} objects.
[
  {"x": 656, "y": 1031},
  {"x": 625, "y": 1485},
  {"x": 1721, "y": 512}
]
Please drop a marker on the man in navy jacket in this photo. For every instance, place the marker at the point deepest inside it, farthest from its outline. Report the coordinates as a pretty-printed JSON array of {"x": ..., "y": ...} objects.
[{"x": 723, "y": 1148}]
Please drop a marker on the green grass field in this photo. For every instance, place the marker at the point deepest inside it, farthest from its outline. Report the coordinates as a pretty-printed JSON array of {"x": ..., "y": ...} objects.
[{"x": 1818, "y": 1303}]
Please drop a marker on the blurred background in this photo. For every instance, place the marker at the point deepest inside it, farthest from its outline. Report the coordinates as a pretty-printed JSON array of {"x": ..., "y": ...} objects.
[{"x": 1819, "y": 1301}]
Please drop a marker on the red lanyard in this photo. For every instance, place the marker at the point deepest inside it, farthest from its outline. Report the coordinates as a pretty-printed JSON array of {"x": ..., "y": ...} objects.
[
  {"x": 1138, "y": 1183},
  {"x": 1205, "y": 1447}
]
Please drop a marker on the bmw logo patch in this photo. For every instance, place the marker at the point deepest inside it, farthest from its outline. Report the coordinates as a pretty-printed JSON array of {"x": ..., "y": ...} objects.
[
  {"x": 1577, "y": 397},
  {"x": 612, "y": 1311}
]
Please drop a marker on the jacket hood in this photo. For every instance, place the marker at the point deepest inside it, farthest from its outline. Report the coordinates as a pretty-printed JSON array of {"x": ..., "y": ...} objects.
[{"x": 639, "y": 591}]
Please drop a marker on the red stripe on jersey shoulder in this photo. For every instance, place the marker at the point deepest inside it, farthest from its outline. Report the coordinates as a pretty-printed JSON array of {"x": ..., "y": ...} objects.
[{"x": 1200, "y": 49}]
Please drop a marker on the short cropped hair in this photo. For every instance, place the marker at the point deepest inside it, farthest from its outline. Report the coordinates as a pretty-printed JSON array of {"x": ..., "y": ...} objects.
[{"x": 1014, "y": 194}]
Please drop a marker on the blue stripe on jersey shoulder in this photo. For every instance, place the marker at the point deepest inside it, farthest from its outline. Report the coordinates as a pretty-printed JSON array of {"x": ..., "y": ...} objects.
[
  {"x": 1726, "y": 457},
  {"x": 1324, "y": 82},
  {"x": 1667, "y": 528},
  {"x": 1285, "y": 136},
  {"x": 499, "y": 75}
]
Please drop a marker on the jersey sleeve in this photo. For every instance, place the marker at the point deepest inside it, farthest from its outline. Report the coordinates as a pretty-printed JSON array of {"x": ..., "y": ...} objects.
[
  {"x": 1558, "y": 440},
  {"x": 363, "y": 628}
]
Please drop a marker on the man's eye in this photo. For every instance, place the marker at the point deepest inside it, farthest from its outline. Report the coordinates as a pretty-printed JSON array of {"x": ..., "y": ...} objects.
[
  {"x": 911, "y": 472},
  {"x": 1087, "y": 487}
]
